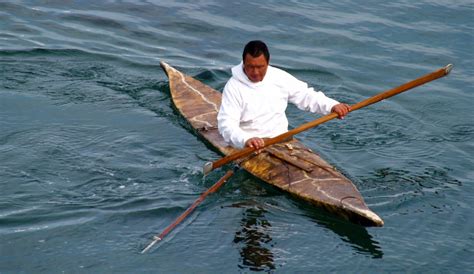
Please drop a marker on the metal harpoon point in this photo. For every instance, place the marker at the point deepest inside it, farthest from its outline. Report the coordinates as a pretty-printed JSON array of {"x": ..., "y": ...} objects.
[
  {"x": 207, "y": 168},
  {"x": 448, "y": 68},
  {"x": 155, "y": 240}
]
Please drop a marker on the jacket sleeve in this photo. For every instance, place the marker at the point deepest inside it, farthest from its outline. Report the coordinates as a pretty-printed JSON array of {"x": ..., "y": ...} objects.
[
  {"x": 228, "y": 118},
  {"x": 306, "y": 98}
]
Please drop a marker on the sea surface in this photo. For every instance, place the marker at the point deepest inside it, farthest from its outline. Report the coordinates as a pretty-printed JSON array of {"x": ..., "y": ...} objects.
[{"x": 94, "y": 160}]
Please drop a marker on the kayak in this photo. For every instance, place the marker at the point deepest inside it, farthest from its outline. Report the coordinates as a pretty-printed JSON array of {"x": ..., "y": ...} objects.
[{"x": 289, "y": 166}]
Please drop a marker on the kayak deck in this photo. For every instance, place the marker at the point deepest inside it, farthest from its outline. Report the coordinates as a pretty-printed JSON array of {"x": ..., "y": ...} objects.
[{"x": 289, "y": 166}]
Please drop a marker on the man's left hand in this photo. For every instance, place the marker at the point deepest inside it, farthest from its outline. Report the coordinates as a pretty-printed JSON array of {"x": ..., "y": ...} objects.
[{"x": 341, "y": 110}]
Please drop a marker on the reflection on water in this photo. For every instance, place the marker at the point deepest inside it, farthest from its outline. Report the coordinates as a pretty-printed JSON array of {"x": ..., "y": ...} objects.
[
  {"x": 255, "y": 243},
  {"x": 358, "y": 237},
  {"x": 254, "y": 240},
  {"x": 355, "y": 235}
]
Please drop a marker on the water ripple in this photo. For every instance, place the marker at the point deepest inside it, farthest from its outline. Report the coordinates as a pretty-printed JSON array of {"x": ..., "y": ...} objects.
[{"x": 403, "y": 186}]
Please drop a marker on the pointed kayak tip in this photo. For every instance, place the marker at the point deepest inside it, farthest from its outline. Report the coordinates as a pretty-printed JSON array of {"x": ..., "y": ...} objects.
[
  {"x": 378, "y": 221},
  {"x": 448, "y": 68},
  {"x": 370, "y": 218},
  {"x": 165, "y": 67}
]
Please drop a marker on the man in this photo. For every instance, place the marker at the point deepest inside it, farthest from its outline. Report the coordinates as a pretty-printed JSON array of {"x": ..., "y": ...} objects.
[{"x": 256, "y": 96}]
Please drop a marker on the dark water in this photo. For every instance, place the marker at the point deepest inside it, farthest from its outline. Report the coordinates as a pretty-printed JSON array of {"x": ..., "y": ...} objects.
[{"x": 94, "y": 161}]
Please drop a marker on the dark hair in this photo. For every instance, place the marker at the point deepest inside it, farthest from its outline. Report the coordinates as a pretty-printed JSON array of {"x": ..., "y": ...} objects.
[{"x": 256, "y": 48}]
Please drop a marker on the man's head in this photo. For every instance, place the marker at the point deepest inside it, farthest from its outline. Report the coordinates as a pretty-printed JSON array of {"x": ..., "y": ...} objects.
[{"x": 255, "y": 59}]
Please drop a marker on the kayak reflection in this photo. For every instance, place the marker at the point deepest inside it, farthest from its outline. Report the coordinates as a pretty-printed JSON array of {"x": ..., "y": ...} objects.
[
  {"x": 254, "y": 240},
  {"x": 357, "y": 236},
  {"x": 256, "y": 246}
]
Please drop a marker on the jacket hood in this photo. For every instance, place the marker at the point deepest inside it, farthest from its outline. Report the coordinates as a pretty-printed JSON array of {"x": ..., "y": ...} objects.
[{"x": 239, "y": 74}]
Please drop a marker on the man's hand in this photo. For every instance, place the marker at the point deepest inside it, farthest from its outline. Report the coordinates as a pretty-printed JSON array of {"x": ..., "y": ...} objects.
[
  {"x": 255, "y": 142},
  {"x": 341, "y": 110}
]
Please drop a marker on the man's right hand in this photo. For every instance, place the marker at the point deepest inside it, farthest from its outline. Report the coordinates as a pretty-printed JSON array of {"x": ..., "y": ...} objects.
[
  {"x": 255, "y": 142},
  {"x": 341, "y": 109}
]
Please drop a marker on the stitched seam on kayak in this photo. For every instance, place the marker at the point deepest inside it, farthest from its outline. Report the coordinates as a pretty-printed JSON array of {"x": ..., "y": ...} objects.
[
  {"x": 201, "y": 121},
  {"x": 183, "y": 79},
  {"x": 209, "y": 125},
  {"x": 311, "y": 178},
  {"x": 317, "y": 187}
]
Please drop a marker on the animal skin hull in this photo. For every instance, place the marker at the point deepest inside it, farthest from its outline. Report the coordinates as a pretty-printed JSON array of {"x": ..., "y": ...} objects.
[{"x": 289, "y": 166}]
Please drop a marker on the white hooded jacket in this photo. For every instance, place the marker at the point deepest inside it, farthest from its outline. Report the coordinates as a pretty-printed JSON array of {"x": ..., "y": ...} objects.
[{"x": 251, "y": 109}]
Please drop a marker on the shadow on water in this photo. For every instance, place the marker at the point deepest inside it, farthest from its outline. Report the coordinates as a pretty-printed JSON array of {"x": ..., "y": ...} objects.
[
  {"x": 254, "y": 240},
  {"x": 255, "y": 243},
  {"x": 355, "y": 235}
]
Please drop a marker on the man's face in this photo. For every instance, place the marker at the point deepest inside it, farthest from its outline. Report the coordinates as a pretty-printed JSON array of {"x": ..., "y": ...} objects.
[{"x": 255, "y": 67}]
